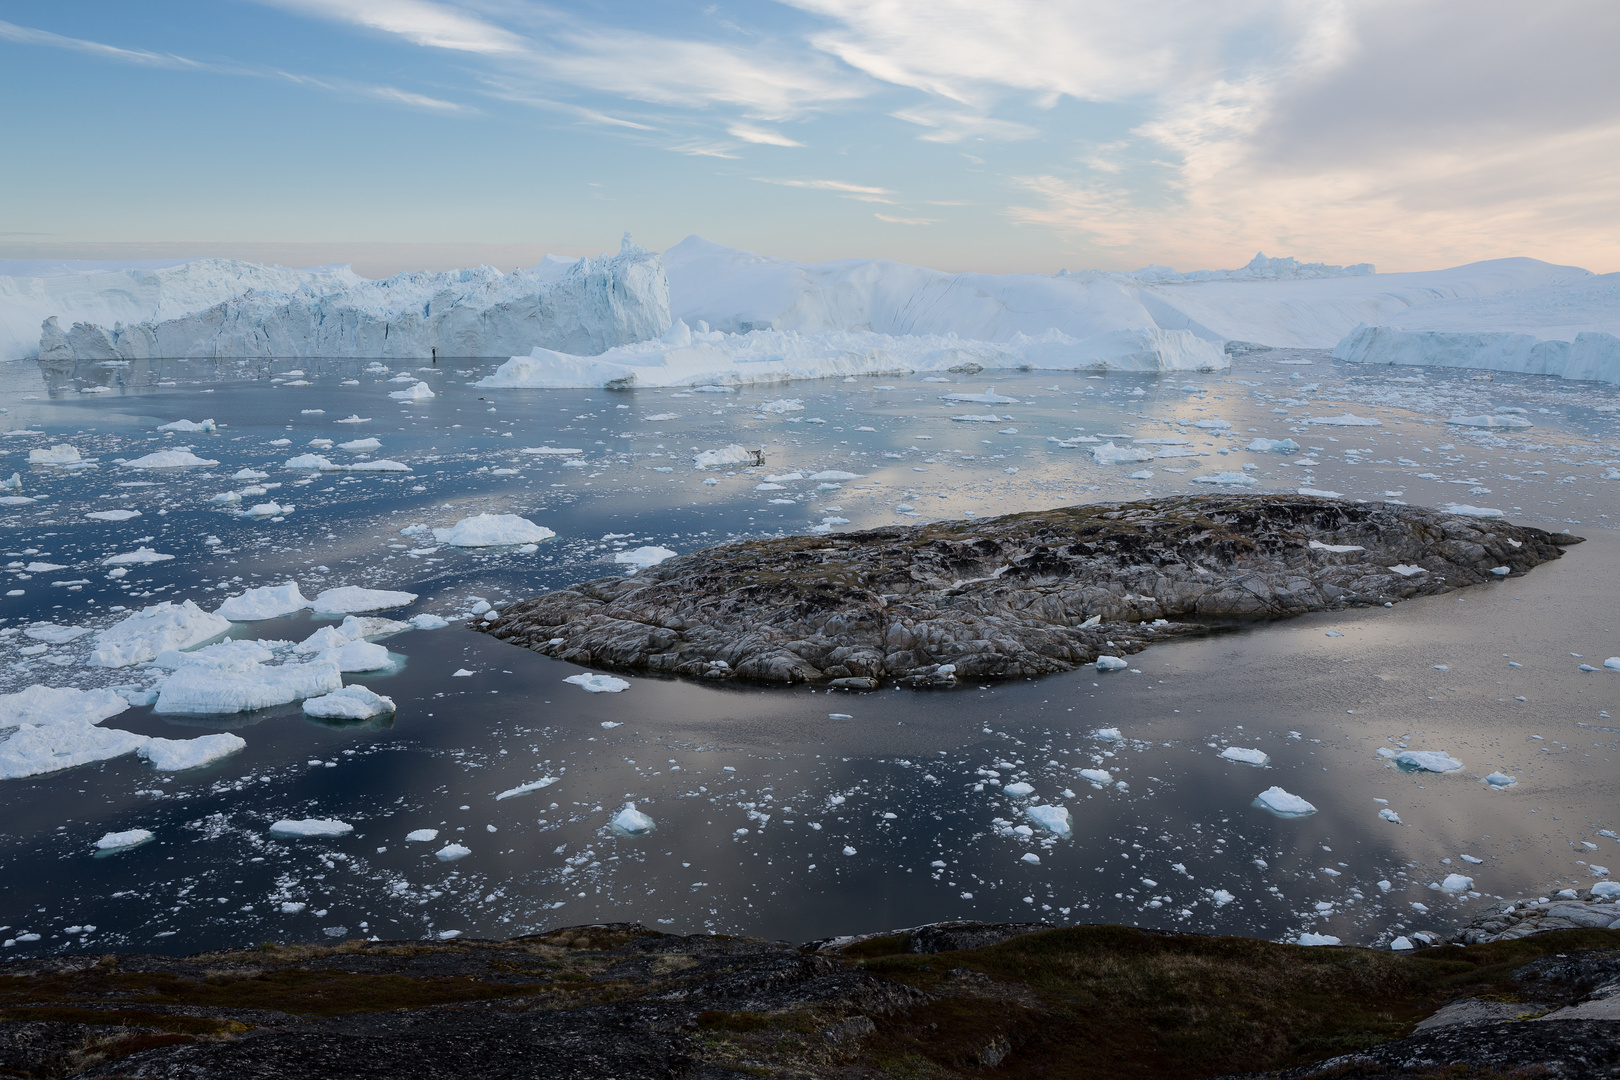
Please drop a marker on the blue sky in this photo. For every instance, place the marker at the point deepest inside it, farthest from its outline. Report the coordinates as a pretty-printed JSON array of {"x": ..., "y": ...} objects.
[{"x": 1024, "y": 134}]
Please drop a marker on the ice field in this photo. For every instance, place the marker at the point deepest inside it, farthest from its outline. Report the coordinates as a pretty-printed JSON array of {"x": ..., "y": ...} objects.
[{"x": 328, "y": 515}]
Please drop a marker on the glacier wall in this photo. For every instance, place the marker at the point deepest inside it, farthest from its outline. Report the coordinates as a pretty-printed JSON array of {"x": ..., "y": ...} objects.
[
  {"x": 1593, "y": 355},
  {"x": 583, "y": 307}
]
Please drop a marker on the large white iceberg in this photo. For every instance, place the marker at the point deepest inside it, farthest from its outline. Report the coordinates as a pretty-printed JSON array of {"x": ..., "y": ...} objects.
[
  {"x": 219, "y": 685},
  {"x": 354, "y": 702},
  {"x": 492, "y": 530},
  {"x": 264, "y": 602},
  {"x": 172, "y": 755},
  {"x": 46, "y": 728},
  {"x": 140, "y": 637},
  {"x": 232, "y": 309},
  {"x": 352, "y": 598}
]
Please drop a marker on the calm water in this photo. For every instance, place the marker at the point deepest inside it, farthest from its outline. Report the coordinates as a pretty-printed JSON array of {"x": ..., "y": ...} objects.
[{"x": 774, "y": 817}]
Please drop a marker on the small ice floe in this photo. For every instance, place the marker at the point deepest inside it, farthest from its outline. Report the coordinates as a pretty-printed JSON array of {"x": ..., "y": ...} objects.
[
  {"x": 840, "y": 716},
  {"x": 775, "y": 408},
  {"x": 598, "y": 684},
  {"x": 1456, "y": 883},
  {"x": 52, "y": 634},
  {"x": 462, "y": 673},
  {"x": 1607, "y": 890},
  {"x": 357, "y": 656},
  {"x": 309, "y": 827},
  {"x": 359, "y": 446},
  {"x": 1032, "y": 858},
  {"x": 173, "y": 755},
  {"x": 1230, "y": 479},
  {"x": 60, "y": 454},
  {"x": 428, "y": 622},
  {"x": 1100, "y": 777},
  {"x": 219, "y": 685},
  {"x": 123, "y": 841},
  {"x": 266, "y": 510},
  {"x": 348, "y": 599},
  {"x": 643, "y": 557},
  {"x": 139, "y": 557},
  {"x": 1474, "y": 860},
  {"x": 1316, "y": 939},
  {"x": 137, "y": 638},
  {"x": 726, "y": 455},
  {"x": 354, "y": 418},
  {"x": 1245, "y": 756},
  {"x": 453, "y": 851},
  {"x": 632, "y": 822},
  {"x": 609, "y": 725},
  {"x": 189, "y": 426},
  {"x": 422, "y": 836},
  {"x": 170, "y": 459},
  {"x": 1272, "y": 446},
  {"x": 1320, "y": 493},
  {"x": 1612, "y": 663},
  {"x": 1109, "y": 454},
  {"x": 420, "y": 392},
  {"x": 1465, "y": 510},
  {"x": 1501, "y": 780},
  {"x": 352, "y": 702},
  {"x": 1141, "y": 474},
  {"x": 1488, "y": 421},
  {"x": 989, "y": 397},
  {"x": 492, "y": 530},
  {"x": 1054, "y": 819},
  {"x": 1111, "y": 663},
  {"x": 526, "y": 789},
  {"x": 1401, "y": 944},
  {"x": 112, "y": 515},
  {"x": 1345, "y": 420},
  {"x": 1436, "y": 761},
  {"x": 1283, "y": 804},
  {"x": 1019, "y": 790},
  {"x": 1408, "y": 570},
  {"x": 1108, "y": 734},
  {"x": 1390, "y": 816},
  {"x": 829, "y": 475},
  {"x": 265, "y": 602}
]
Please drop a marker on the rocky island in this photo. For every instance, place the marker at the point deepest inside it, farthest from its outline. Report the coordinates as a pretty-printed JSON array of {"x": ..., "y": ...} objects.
[{"x": 1022, "y": 595}]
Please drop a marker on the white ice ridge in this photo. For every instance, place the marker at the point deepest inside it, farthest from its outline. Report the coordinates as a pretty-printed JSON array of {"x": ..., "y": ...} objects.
[{"x": 223, "y": 308}]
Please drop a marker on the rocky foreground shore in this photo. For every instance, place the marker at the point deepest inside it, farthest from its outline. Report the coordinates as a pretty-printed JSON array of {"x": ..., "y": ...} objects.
[
  {"x": 942, "y": 1001},
  {"x": 1027, "y": 594}
]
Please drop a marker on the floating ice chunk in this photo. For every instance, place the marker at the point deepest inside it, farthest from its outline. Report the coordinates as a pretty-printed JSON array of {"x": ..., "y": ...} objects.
[
  {"x": 726, "y": 455},
  {"x": 352, "y": 702},
  {"x": 598, "y": 684},
  {"x": 1316, "y": 939},
  {"x": 1487, "y": 421},
  {"x": 123, "y": 841},
  {"x": 835, "y": 474},
  {"x": 1346, "y": 420},
  {"x": 60, "y": 454},
  {"x": 1408, "y": 570},
  {"x": 643, "y": 557},
  {"x": 249, "y": 474},
  {"x": 1019, "y": 790},
  {"x": 552, "y": 451},
  {"x": 1436, "y": 761},
  {"x": 357, "y": 656},
  {"x": 1100, "y": 777},
  {"x": 1272, "y": 446},
  {"x": 43, "y": 567},
  {"x": 1456, "y": 883},
  {"x": 420, "y": 392},
  {"x": 52, "y": 634},
  {"x": 989, "y": 397},
  {"x": 354, "y": 418},
  {"x": 1228, "y": 479},
  {"x": 309, "y": 461},
  {"x": 1142, "y": 474},
  {"x": 1612, "y": 663},
  {"x": 1465, "y": 510},
  {"x": 205, "y": 687},
  {"x": 380, "y": 465},
  {"x": 1390, "y": 816},
  {"x": 451, "y": 852},
  {"x": 356, "y": 446},
  {"x": 632, "y": 822},
  {"x": 351, "y": 598},
  {"x": 428, "y": 622},
  {"x": 1474, "y": 860},
  {"x": 1032, "y": 858},
  {"x": 44, "y": 729},
  {"x": 1247, "y": 757},
  {"x": 525, "y": 789},
  {"x": 1108, "y": 734},
  {"x": 141, "y": 636},
  {"x": 139, "y": 557},
  {"x": 265, "y": 510},
  {"x": 309, "y": 827},
  {"x": 112, "y": 515},
  {"x": 1283, "y": 804},
  {"x": 1054, "y": 819},
  {"x": 1606, "y": 889},
  {"x": 1337, "y": 549},
  {"x": 1401, "y": 944},
  {"x": 778, "y": 407},
  {"x": 169, "y": 459},
  {"x": 492, "y": 530},
  {"x": 1501, "y": 780},
  {"x": 1109, "y": 454},
  {"x": 189, "y": 426},
  {"x": 265, "y": 602},
  {"x": 172, "y": 755},
  {"x": 462, "y": 673},
  {"x": 423, "y": 836},
  {"x": 38, "y": 705},
  {"x": 1213, "y": 423},
  {"x": 1111, "y": 663}
]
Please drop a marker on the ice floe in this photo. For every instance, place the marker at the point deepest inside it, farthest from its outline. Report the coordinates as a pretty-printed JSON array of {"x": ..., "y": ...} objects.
[
  {"x": 210, "y": 686},
  {"x": 140, "y": 637},
  {"x": 353, "y": 598},
  {"x": 352, "y": 702},
  {"x": 1436, "y": 761},
  {"x": 169, "y": 459},
  {"x": 123, "y": 841},
  {"x": 632, "y": 822},
  {"x": 172, "y": 755},
  {"x": 492, "y": 530},
  {"x": 264, "y": 602},
  {"x": 1054, "y": 819},
  {"x": 598, "y": 684},
  {"x": 643, "y": 557},
  {"x": 526, "y": 789},
  {"x": 1245, "y": 756},
  {"x": 1284, "y": 804},
  {"x": 304, "y": 828}
]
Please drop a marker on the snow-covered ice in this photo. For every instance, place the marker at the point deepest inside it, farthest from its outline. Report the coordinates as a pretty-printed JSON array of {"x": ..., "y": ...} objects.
[
  {"x": 598, "y": 684},
  {"x": 632, "y": 822},
  {"x": 453, "y": 851},
  {"x": 643, "y": 557},
  {"x": 1437, "y": 761},
  {"x": 263, "y": 602},
  {"x": 492, "y": 530},
  {"x": 172, "y": 755},
  {"x": 1284, "y": 804},
  {"x": 287, "y": 829},
  {"x": 122, "y": 841},
  {"x": 1054, "y": 819},
  {"x": 209, "y": 687},
  {"x": 353, "y": 598},
  {"x": 1246, "y": 756},
  {"x": 170, "y": 459},
  {"x": 352, "y": 702},
  {"x": 140, "y": 637}
]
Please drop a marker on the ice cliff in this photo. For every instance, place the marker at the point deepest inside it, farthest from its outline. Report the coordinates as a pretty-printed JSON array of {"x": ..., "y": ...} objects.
[{"x": 582, "y": 307}]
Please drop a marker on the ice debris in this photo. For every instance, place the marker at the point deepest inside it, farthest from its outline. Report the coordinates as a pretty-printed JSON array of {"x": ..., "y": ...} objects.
[
  {"x": 598, "y": 684},
  {"x": 632, "y": 822}
]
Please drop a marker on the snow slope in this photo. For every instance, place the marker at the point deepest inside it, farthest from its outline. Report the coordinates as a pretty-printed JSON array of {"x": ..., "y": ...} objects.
[{"x": 217, "y": 308}]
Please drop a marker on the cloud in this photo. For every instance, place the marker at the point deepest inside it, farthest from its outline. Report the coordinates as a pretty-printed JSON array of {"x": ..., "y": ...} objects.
[
  {"x": 748, "y": 133},
  {"x": 24, "y": 35},
  {"x": 438, "y": 26},
  {"x": 906, "y": 220},
  {"x": 825, "y": 185}
]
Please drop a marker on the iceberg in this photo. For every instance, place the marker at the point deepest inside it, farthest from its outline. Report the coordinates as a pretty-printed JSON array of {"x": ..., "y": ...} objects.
[
  {"x": 45, "y": 728},
  {"x": 492, "y": 530},
  {"x": 1109, "y": 454},
  {"x": 1437, "y": 761},
  {"x": 61, "y": 454},
  {"x": 1592, "y": 355},
  {"x": 216, "y": 308},
  {"x": 188, "y": 427},
  {"x": 219, "y": 685},
  {"x": 598, "y": 684},
  {"x": 1283, "y": 804},
  {"x": 264, "y": 602},
  {"x": 1054, "y": 819},
  {"x": 170, "y": 459},
  {"x": 140, "y": 637},
  {"x": 353, "y": 598},
  {"x": 357, "y": 656},
  {"x": 643, "y": 557},
  {"x": 309, "y": 827},
  {"x": 123, "y": 841},
  {"x": 139, "y": 557},
  {"x": 353, "y": 702},
  {"x": 1245, "y": 756},
  {"x": 172, "y": 755},
  {"x": 1272, "y": 446},
  {"x": 632, "y": 822}
]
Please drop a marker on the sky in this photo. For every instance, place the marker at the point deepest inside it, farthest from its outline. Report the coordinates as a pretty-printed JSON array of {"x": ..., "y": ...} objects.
[{"x": 961, "y": 134}]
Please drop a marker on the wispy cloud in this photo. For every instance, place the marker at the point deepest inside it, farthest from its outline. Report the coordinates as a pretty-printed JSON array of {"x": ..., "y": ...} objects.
[
  {"x": 906, "y": 220},
  {"x": 749, "y": 133},
  {"x": 24, "y": 35},
  {"x": 438, "y": 26},
  {"x": 825, "y": 185}
]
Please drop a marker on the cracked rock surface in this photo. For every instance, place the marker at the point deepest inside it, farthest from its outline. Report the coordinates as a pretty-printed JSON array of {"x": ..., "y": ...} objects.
[{"x": 1016, "y": 596}]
